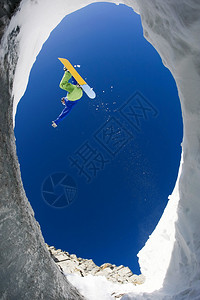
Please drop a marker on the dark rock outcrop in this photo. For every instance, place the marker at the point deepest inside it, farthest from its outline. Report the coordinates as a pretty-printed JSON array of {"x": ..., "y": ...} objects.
[{"x": 7, "y": 9}]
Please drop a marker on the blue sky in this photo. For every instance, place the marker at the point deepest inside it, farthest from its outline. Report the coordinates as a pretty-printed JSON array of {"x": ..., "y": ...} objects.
[{"x": 112, "y": 216}]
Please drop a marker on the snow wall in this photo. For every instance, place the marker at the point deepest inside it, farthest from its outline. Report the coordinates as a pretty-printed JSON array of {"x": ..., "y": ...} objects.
[{"x": 170, "y": 260}]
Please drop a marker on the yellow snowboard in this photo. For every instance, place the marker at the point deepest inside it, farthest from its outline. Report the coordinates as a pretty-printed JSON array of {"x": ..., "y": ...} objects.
[{"x": 86, "y": 88}]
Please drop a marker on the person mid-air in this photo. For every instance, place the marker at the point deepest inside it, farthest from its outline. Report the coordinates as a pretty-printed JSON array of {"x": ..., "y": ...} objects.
[{"x": 74, "y": 93}]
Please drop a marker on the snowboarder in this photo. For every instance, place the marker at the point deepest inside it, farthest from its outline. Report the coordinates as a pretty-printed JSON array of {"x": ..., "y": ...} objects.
[{"x": 74, "y": 94}]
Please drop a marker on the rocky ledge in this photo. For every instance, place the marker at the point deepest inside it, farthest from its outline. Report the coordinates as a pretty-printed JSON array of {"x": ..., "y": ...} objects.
[{"x": 70, "y": 263}]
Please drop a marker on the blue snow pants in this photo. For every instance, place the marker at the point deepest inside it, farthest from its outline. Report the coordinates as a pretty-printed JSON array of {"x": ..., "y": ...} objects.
[
  {"x": 68, "y": 106},
  {"x": 66, "y": 110}
]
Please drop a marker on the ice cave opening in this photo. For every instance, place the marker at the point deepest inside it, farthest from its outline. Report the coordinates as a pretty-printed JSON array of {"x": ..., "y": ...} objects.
[
  {"x": 170, "y": 258},
  {"x": 133, "y": 174}
]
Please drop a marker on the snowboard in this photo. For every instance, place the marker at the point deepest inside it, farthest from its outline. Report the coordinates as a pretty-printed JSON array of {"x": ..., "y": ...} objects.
[{"x": 86, "y": 88}]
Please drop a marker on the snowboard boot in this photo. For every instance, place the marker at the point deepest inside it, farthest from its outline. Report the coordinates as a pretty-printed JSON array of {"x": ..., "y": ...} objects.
[{"x": 65, "y": 69}]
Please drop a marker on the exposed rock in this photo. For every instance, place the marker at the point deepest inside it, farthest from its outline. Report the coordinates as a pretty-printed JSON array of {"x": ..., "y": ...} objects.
[
  {"x": 70, "y": 263},
  {"x": 7, "y": 9}
]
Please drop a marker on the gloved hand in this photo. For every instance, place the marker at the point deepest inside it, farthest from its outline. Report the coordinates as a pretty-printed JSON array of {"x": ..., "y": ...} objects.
[
  {"x": 63, "y": 101},
  {"x": 54, "y": 124}
]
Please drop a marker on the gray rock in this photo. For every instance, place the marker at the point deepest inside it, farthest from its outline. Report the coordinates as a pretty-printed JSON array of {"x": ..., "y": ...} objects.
[{"x": 83, "y": 267}]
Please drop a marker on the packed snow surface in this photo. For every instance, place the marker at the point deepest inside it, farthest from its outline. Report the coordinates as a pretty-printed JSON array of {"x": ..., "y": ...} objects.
[{"x": 170, "y": 260}]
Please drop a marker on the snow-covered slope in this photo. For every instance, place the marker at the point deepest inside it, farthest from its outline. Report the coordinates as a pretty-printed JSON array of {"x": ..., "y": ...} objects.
[{"x": 170, "y": 259}]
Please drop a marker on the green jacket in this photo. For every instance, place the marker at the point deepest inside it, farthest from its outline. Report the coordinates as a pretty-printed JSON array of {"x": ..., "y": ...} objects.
[{"x": 74, "y": 92}]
